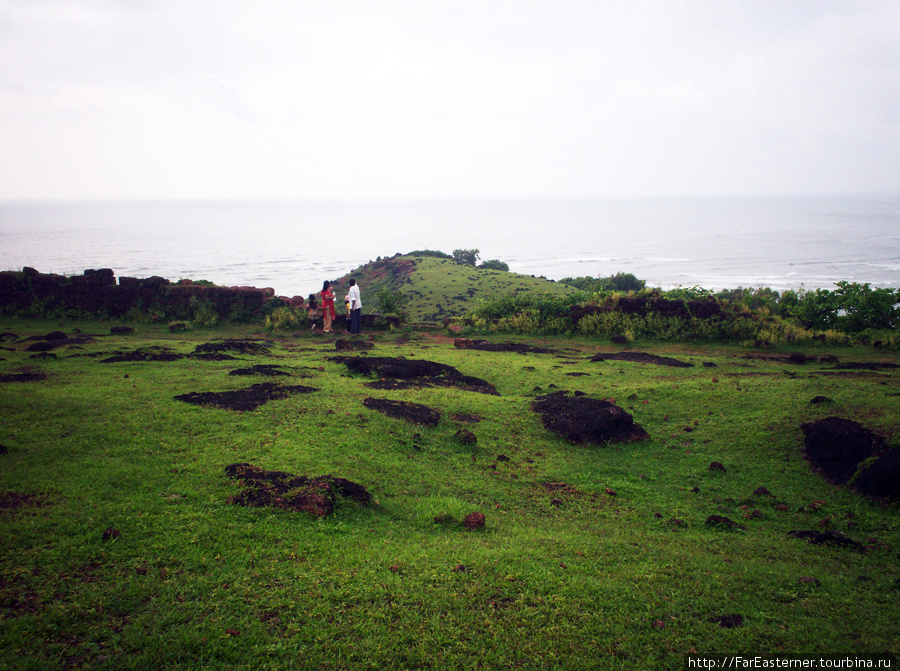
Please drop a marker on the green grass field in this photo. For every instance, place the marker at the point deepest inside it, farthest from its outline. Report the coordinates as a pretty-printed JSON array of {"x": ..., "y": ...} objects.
[{"x": 592, "y": 557}]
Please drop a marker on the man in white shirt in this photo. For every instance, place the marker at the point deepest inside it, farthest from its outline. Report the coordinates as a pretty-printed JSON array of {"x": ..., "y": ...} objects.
[{"x": 355, "y": 307}]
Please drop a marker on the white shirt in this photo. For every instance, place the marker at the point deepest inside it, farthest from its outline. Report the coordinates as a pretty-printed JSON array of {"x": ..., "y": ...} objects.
[{"x": 353, "y": 295}]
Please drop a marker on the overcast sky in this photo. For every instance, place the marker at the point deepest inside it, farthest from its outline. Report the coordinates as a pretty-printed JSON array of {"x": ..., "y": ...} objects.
[{"x": 391, "y": 99}]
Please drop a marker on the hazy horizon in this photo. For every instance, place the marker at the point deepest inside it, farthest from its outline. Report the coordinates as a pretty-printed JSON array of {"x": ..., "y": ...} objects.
[{"x": 412, "y": 100}]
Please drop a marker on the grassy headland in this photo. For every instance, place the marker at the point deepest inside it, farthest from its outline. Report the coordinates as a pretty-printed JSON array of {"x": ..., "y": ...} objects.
[
  {"x": 121, "y": 549},
  {"x": 437, "y": 288}
]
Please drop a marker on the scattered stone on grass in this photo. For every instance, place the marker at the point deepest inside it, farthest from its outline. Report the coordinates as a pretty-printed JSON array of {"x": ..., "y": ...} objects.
[
  {"x": 178, "y": 327},
  {"x": 313, "y": 495},
  {"x": 414, "y": 413},
  {"x": 474, "y": 521},
  {"x": 728, "y": 621},
  {"x": 263, "y": 369},
  {"x": 246, "y": 399},
  {"x": 485, "y": 346},
  {"x": 830, "y": 537},
  {"x": 402, "y": 373},
  {"x": 762, "y": 491},
  {"x": 723, "y": 522},
  {"x": 821, "y": 399},
  {"x": 232, "y": 345},
  {"x": 837, "y": 448},
  {"x": 642, "y": 357},
  {"x": 717, "y": 466},
  {"x": 111, "y": 533},
  {"x": 581, "y": 419},
  {"x": 466, "y": 437}
]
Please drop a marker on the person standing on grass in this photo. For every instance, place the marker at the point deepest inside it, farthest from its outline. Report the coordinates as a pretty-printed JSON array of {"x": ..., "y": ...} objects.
[
  {"x": 327, "y": 306},
  {"x": 312, "y": 309},
  {"x": 355, "y": 307}
]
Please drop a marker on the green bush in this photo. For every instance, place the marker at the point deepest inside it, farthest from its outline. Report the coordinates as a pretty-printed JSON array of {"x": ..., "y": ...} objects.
[
  {"x": 494, "y": 264},
  {"x": 283, "y": 318}
]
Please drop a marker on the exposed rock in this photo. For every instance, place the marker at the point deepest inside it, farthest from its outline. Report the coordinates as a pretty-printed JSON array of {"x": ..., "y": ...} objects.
[
  {"x": 641, "y": 357},
  {"x": 415, "y": 413},
  {"x": 720, "y": 521},
  {"x": 474, "y": 521},
  {"x": 246, "y": 399},
  {"x": 581, "y": 419},
  {"x": 313, "y": 495},
  {"x": 829, "y": 537},
  {"x": 401, "y": 373},
  {"x": 728, "y": 621},
  {"x": 466, "y": 437},
  {"x": 835, "y": 447}
]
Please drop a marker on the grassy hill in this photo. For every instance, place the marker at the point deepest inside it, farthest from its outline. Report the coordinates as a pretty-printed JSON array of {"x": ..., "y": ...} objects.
[
  {"x": 437, "y": 288},
  {"x": 123, "y": 546}
]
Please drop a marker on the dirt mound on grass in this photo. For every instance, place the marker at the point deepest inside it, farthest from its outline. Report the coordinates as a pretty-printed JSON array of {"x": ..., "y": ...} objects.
[
  {"x": 151, "y": 353},
  {"x": 401, "y": 373},
  {"x": 829, "y": 537},
  {"x": 642, "y": 357},
  {"x": 840, "y": 449},
  {"x": 314, "y": 495},
  {"x": 232, "y": 345},
  {"x": 485, "y": 346},
  {"x": 246, "y": 399},
  {"x": 835, "y": 447},
  {"x": 582, "y": 419},
  {"x": 263, "y": 369},
  {"x": 31, "y": 376},
  {"x": 414, "y": 413}
]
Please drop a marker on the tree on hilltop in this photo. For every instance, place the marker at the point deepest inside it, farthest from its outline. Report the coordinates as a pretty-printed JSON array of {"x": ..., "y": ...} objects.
[{"x": 466, "y": 257}]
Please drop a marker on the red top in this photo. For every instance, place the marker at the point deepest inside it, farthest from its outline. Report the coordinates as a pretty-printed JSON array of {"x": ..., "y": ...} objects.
[{"x": 328, "y": 302}]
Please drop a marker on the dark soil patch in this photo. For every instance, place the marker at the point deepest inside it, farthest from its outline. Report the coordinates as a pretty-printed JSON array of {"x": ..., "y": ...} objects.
[
  {"x": 353, "y": 344},
  {"x": 581, "y": 419},
  {"x": 246, "y": 399},
  {"x": 214, "y": 356},
  {"x": 881, "y": 479},
  {"x": 52, "y": 343},
  {"x": 485, "y": 346},
  {"x": 728, "y": 621},
  {"x": 231, "y": 345},
  {"x": 851, "y": 365},
  {"x": 263, "y": 369},
  {"x": 401, "y": 373},
  {"x": 464, "y": 418},
  {"x": 723, "y": 523},
  {"x": 10, "y": 502},
  {"x": 314, "y": 495},
  {"x": 835, "y": 447},
  {"x": 151, "y": 353},
  {"x": 414, "y": 413},
  {"x": 642, "y": 357},
  {"x": 829, "y": 537},
  {"x": 36, "y": 376}
]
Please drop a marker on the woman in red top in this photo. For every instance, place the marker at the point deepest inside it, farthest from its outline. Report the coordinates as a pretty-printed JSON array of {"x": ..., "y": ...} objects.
[{"x": 327, "y": 306}]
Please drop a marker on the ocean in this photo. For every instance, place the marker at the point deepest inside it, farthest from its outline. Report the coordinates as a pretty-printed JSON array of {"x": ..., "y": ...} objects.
[{"x": 292, "y": 246}]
